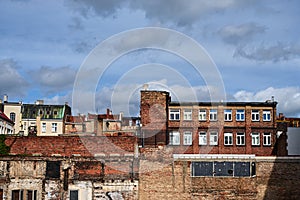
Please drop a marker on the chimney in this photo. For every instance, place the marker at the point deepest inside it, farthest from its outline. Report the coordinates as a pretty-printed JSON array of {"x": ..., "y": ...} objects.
[
  {"x": 39, "y": 102},
  {"x": 107, "y": 113},
  {"x": 121, "y": 116},
  {"x": 5, "y": 98},
  {"x": 145, "y": 87}
]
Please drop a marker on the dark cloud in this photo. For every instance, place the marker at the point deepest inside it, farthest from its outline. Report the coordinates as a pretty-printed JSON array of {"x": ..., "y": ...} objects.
[
  {"x": 54, "y": 80},
  {"x": 241, "y": 34},
  {"x": 275, "y": 53},
  {"x": 12, "y": 82}
]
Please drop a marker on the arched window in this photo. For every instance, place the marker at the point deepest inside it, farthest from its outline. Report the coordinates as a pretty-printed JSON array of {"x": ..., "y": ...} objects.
[{"x": 12, "y": 116}]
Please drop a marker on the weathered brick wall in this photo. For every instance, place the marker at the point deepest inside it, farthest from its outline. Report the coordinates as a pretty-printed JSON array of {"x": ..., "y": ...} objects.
[
  {"x": 85, "y": 146},
  {"x": 276, "y": 178}
]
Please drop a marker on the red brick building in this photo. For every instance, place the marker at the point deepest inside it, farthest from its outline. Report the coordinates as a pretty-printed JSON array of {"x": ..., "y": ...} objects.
[{"x": 208, "y": 127}]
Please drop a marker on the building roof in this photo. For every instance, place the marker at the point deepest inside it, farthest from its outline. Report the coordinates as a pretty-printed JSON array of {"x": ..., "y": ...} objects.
[
  {"x": 31, "y": 111},
  {"x": 5, "y": 118}
]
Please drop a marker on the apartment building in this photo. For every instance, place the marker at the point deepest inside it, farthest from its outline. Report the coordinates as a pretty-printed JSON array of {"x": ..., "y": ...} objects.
[{"x": 208, "y": 127}]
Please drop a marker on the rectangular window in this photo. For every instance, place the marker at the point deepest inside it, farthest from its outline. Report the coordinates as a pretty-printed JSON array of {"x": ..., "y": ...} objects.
[
  {"x": 187, "y": 138},
  {"x": 202, "y": 115},
  {"x": 187, "y": 114},
  {"x": 202, "y": 138},
  {"x": 53, "y": 169},
  {"x": 240, "y": 115},
  {"x": 228, "y": 140},
  {"x": 12, "y": 116},
  {"x": 17, "y": 194},
  {"x": 240, "y": 139},
  {"x": 267, "y": 139},
  {"x": 213, "y": 113},
  {"x": 174, "y": 138},
  {"x": 73, "y": 194},
  {"x": 174, "y": 114},
  {"x": 227, "y": 115},
  {"x": 31, "y": 194},
  {"x": 213, "y": 138},
  {"x": 54, "y": 127},
  {"x": 255, "y": 115},
  {"x": 43, "y": 127},
  {"x": 255, "y": 139},
  {"x": 267, "y": 115}
]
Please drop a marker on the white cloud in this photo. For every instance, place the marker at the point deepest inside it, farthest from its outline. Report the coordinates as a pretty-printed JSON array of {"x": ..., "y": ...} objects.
[
  {"x": 12, "y": 82},
  {"x": 288, "y": 98}
]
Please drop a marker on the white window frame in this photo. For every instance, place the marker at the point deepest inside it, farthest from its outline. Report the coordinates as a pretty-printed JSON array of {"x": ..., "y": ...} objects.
[
  {"x": 240, "y": 138},
  {"x": 255, "y": 139},
  {"x": 202, "y": 138},
  {"x": 267, "y": 140},
  {"x": 174, "y": 138},
  {"x": 213, "y": 114},
  {"x": 267, "y": 115},
  {"x": 187, "y": 114},
  {"x": 12, "y": 116},
  {"x": 227, "y": 115},
  {"x": 187, "y": 138},
  {"x": 54, "y": 128},
  {"x": 228, "y": 139},
  {"x": 240, "y": 115},
  {"x": 174, "y": 114},
  {"x": 213, "y": 138},
  {"x": 255, "y": 115},
  {"x": 202, "y": 115},
  {"x": 44, "y": 127}
]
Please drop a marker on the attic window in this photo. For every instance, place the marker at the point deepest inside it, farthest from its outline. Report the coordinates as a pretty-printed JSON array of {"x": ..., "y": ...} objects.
[
  {"x": 55, "y": 112},
  {"x": 48, "y": 112},
  {"x": 41, "y": 112}
]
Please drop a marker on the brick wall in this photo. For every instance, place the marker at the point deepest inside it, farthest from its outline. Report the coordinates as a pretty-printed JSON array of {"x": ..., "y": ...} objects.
[{"x": 85, "y": 146}]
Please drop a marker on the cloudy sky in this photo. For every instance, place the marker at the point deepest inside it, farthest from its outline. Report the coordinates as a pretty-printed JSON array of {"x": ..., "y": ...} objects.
[{"x": 254, "y": 44}]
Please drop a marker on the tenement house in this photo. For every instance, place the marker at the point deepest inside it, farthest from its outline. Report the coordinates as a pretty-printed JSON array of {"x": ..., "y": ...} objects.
[{"x": 208, "y": 127}]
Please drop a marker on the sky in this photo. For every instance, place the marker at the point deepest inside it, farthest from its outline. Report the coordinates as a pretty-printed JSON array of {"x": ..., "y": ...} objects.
[{"x": 46, "y": 47}]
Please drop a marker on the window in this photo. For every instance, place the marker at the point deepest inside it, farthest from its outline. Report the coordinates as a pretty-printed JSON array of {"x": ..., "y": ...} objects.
[
  {"x": 32, "y": 194},
  {"x": 228, "y": 139},
  {"x": 213, "y": 138},
  {"x": 240, "y": 139},
  {"x": 12, "y": 116},
  {"x": 174, "y": 138},
  {"x": 267, "y": 139},
  {"x": 187, "y": 114},
  {"x": 54, "y": 127},
  {"x": 227, "y": 115},
  {"x": 255, "y": 115},
  {"x": 17, "y": 194},
  {"x": 213, "y": 115},
  {"x": 53, "y": 169},
  {"x": 202, "y": 115},
  {"x": 267, "y": 115},
  {"x": 187, "y": 138},
  {"x": 202, "y": 138},
  {"x": 240, "y": 115},
  {"x": 255, "y": 139},
  {"x": 43, "y": 127},
  {"x": 174, "y": 114},
  {"x": 73, "y": 194},
  {"x": 55, "y": 112}
]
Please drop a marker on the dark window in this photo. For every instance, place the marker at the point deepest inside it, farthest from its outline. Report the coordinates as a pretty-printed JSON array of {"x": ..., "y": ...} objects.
[
  {"x": 202, "y": 169},
  {"x": 12, "y": 116},
  {"x": 17, "y": 195},
  {"x": 242, "y": 169},
  {"x": 73, "y": 194},
  {"x": 1, "y": 194},
  {"x": 253, "y": 169},
  {"x": 31, "y": 194},
  {"x": 223, "y": 168},
  {"x": 53, "y": 169}
]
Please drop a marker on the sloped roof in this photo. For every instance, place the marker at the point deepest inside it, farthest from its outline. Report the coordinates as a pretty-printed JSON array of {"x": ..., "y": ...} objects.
[{"x": 4, "y": 117}]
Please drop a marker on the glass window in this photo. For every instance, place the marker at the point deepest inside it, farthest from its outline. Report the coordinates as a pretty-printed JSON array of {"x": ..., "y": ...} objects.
[
  {"x": 54, "y": 127},
  {"x": 255, "y": 139},
  {"x": 213, "y": 138},
  {"x": 73, "y": 194},
  {"x": 174, "y": 138},
  {"x": 174, "y": 114},
  {"x": 187, "y": 138},
  {"x": 227, "y": 115},
  {"x": 267, "y": 139},
  {"x": 202, "y": 115},
  {"x": 202, "y": 138},
  {"x": 267, "y": 115},
  {"x": 43, "y": 127},
  {"x": 12, "y": 116},
  {"x": 213, "y": 113},
  {"x": 228, "y": 140},
  {"x": 187, "y": 114},
  {"x": 255, "y": 115},
  {"x": 240, "y": 115},
  {"x": 240, "y": 139}
]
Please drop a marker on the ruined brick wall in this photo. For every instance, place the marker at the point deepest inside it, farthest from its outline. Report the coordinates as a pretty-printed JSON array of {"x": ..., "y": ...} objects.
[
  {"x": 85, "y": 146},
  {"x": 276, "y": 178}
]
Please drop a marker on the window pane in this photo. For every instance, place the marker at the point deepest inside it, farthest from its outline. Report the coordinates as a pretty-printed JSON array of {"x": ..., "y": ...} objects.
[
  {"x": 202, "y": 138},
  {"x": 74, "y": 195}
]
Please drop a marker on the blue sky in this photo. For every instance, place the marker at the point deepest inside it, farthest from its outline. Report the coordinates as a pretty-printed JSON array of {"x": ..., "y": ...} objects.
[{"x": 255, "y": 46}]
